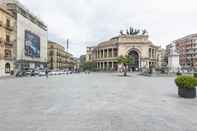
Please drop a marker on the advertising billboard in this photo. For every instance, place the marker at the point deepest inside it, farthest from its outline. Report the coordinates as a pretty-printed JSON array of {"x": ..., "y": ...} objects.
[{"x": 32, "y": 45}]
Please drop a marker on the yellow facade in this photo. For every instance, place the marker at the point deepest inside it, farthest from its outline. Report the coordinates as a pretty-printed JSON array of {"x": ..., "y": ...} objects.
[
  {"x": 58, "y": 58},
  {"x": 7, "y": 41}
]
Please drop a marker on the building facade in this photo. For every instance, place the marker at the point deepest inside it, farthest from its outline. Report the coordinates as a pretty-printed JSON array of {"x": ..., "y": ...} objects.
[
  {"x": 187, "y": 47},
  {"x": 31, "y": 38},
  {"x": 144, "y": 53},
  {"x": 58, "y": 58},
  {"x": 7, "y": 41},
  {"x": 90, "y": 54},
  {"x": 82, "y": 59}
]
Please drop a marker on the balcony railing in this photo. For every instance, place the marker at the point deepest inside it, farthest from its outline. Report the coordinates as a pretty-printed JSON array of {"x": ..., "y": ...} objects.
[
  {"x": 8, "y": 44},
  {"x": 8, "y": 57},
  {"x": 10, "y": 28}
]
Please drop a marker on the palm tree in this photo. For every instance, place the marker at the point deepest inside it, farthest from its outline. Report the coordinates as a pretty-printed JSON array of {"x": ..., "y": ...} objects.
[{"x": 125, "y": 61}]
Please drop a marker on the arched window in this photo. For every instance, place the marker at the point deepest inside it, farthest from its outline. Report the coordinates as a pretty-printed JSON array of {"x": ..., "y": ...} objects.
[{"x": 7, "y": 68}]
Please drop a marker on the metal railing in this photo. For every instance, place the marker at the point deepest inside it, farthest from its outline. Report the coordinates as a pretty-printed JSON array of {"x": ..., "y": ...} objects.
[
  {"x": 10, "y": 28},
  {"x": 8, "y": 57},
  {"x": 8, "y": 44}
]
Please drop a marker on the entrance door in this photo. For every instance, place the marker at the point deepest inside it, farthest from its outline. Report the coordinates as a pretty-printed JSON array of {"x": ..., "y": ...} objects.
[
  {"x": 7, "y": 68},
  {"x": 135, "y": 57}
]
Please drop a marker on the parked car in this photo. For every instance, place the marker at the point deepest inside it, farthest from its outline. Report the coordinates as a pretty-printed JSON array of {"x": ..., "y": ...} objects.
[
  {"x": 61, "y": 72},
  {"x": 23, "y": 73},
  {"x": 20, "y": 74},
  {"x": 70, "y": 72},
  {"x": 58, "y": 72},
  {"x": 42, "y": 73},
  {"x": 52, "y": 73},
  {"x": 34, "y": 73}
]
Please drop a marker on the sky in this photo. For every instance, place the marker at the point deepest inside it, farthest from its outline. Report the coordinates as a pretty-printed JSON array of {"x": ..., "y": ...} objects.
[{"x": 88, "y": 22}]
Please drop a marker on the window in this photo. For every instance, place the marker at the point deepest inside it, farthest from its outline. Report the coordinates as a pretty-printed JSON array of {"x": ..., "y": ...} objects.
[
  {"x": 1, "y": 40},
  {"x": 150, "y": 52},
  {"x": 115, "y": 52},
  {"x": 7, "y": 68},
  {"x": 90, "y": 57},
  {"x": 8, "y": 23},
  {"x": 8, "y": 53},
  {"x": 51, "y": 53},
  {"x": 7, "y": 38}
]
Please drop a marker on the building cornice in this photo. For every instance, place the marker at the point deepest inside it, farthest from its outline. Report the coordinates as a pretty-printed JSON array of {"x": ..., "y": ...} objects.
[
  {"x": 6, "y": 11},
  {"x": 185, "y": 38},
  {"x": 17, "y": 8}
]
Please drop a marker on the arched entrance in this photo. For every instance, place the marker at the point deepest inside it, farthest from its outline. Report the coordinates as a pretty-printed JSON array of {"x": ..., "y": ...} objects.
[
  {"x": 135, "y": 57},
  {"x": 7, "y": 68}
]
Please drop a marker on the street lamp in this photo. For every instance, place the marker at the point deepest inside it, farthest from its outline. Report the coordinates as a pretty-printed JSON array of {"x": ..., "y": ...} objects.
[{"x": 67, "y": 44}]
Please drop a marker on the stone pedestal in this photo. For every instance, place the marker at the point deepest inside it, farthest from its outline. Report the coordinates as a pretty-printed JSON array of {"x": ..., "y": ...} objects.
[{"x": 173, "y": 64}]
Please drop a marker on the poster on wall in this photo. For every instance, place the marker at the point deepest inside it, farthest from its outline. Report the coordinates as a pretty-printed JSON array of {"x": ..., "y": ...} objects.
[{"x": 32, "y": 45}]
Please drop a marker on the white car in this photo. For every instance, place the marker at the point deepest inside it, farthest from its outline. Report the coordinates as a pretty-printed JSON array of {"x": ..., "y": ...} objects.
[
  {"x": 42, "y": 73},
  {"x": 70, "y": 72},
  {"x": 58, "y": 72},
  {"x": 52, "y": 73},
  {"x": 62, "y": 72}
]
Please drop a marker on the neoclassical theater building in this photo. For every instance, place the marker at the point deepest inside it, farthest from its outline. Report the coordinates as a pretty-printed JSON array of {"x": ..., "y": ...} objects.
[{"x": 139, "y": 47}]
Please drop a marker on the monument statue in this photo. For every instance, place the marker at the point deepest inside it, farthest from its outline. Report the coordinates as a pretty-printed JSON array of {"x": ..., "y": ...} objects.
[
  {"x": 121, "y": 32},
  {"x": 144, "y": 32},
  {"x": 173, "y": 59},
  {"x": 132, "y": 31}
]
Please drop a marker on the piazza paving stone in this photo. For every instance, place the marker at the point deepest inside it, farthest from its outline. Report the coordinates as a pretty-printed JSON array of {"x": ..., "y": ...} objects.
[{"x": 95, "y": 102}]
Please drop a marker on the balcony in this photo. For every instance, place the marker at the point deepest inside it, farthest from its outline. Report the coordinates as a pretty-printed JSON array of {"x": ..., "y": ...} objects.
[
  {"x": 8, "y": 44},
  {"x": 10, "y": 28},
  {"x": 193, "y": 51},
  {"x": 9, "y": 57}
]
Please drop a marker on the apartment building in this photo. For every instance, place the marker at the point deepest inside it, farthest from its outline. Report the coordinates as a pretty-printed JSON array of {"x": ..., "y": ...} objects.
[
  {"x": 31, "y": 37},
  {"x": 187, "y": 47},
  {"x": 58, "y": 58},
  {"x": 7, "y": 41}
]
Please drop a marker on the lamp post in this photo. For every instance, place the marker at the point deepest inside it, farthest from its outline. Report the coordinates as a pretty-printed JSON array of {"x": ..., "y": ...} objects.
[{"x": 67, "y": 44}]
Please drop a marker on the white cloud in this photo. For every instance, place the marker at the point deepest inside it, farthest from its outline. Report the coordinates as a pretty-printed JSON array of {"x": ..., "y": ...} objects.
[
  {"x": 174, "y": 6},
  {"x": 85, "y": 22}
]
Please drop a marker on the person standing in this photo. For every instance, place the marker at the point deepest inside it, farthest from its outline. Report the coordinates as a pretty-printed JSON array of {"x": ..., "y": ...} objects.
[{"x": 47, "y": 73}]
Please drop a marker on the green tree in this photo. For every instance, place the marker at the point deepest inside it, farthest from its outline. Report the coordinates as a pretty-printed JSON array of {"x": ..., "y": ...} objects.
[
  {"x": 89, "y": 66},
  {"x": 125, "y": 61}
]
